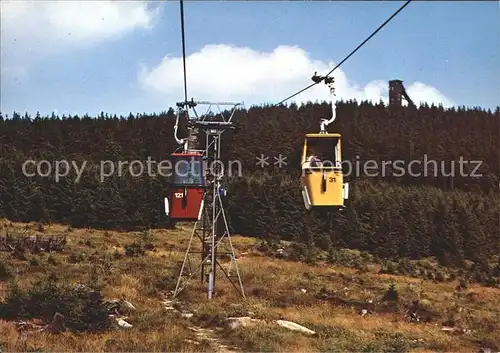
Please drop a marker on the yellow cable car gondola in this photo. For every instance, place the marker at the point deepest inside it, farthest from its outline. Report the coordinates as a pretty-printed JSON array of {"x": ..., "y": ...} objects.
[{"x": 322, "y": 179}]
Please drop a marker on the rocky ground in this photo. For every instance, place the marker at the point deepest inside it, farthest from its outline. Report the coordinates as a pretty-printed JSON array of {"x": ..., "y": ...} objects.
[{"x": 289, "y": 305}]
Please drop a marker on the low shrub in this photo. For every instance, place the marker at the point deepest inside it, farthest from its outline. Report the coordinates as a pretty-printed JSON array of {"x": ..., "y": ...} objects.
[{"x": 81, "y": 305}]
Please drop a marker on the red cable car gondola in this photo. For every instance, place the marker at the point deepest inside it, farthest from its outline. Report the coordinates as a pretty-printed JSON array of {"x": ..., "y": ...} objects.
[{"x": 187, "y": 187}]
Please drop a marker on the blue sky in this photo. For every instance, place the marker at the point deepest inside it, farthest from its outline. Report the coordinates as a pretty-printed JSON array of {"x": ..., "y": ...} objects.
[{"x": 111, "y": 57}]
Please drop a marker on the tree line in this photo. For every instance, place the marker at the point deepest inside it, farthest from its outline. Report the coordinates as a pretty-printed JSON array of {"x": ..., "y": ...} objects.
[{"x": 453, "y": 217}]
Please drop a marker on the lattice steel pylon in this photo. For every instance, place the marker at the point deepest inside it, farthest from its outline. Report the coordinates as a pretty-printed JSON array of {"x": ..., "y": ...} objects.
[{"x": 211, "y": 228}]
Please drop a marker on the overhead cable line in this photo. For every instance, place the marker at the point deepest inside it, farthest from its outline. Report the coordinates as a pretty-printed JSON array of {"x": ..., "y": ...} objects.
[
  {"x": 348, "y": 56},
  {"x": 183, "y": 51}
]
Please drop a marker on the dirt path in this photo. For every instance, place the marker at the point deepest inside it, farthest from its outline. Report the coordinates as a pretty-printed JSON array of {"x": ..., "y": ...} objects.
[{"x": 215, "y": 342}]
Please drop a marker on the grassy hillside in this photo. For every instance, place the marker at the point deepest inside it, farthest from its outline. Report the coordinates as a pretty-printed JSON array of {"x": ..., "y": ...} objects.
[{"x": 323, "y": 297}]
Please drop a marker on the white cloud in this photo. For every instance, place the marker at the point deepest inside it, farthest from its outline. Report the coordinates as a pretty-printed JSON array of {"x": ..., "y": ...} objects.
[
  {"x": 31, "y": 30},
  {"x": 229, "y": 73},
  {"x": 74, "y": 21},
  {"x": 420, "y": 92}
]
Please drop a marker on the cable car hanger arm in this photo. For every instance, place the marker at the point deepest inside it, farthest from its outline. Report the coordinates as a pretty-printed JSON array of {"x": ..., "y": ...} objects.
[
  {"x": 176, "y": 127},
  {"x": 329, "y": 81}
]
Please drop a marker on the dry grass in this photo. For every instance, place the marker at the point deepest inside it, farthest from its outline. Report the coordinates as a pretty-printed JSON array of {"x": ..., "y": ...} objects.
[{"x": 273, "y": 288}]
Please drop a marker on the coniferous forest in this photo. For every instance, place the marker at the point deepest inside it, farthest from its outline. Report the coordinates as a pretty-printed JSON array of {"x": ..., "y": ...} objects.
[{"x": 451, "y": 213}]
